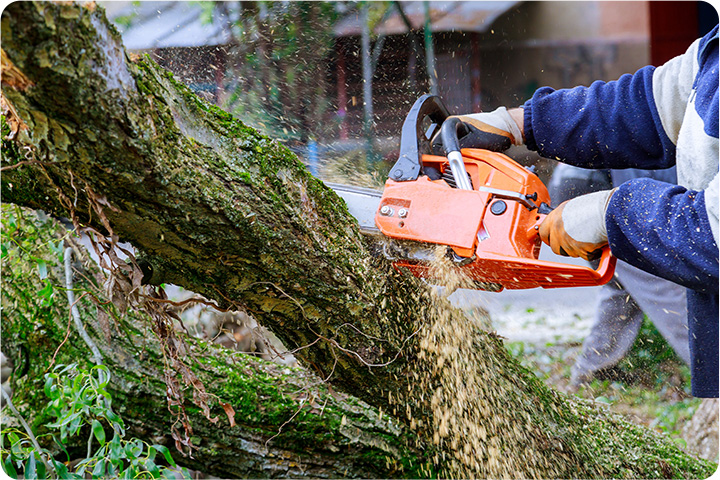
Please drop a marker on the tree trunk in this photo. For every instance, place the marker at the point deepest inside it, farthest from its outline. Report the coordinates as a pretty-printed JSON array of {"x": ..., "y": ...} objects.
[
  {"x": 700, "y": 432},
  {"x": 287, "y": 422},
  {"x": 224, "y": 211}
]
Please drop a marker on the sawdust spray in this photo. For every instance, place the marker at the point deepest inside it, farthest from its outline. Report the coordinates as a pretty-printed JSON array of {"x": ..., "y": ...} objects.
[
  {"x": 465, "y": 393},
  {"x": 476, "y": 434}
]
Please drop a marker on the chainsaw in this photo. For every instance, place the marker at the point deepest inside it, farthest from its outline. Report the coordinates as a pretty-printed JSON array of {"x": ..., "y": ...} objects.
[{"x": 481, "y": 205}]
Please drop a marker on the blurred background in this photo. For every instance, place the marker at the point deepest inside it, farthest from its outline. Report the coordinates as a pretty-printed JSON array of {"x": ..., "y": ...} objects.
[{"x": 335, "y": 79}]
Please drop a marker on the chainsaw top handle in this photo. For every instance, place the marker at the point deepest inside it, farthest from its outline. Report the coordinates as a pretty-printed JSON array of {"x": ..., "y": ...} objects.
[
  {"x": 419, "y": 138},
  {"x": 449, "y": 134},
  {"x": 451, "y": 145},
  {"x": 415, "y": 140}
]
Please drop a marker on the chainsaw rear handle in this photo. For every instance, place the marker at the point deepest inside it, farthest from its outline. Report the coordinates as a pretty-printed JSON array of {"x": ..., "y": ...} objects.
[{"x": 606, "y": 267}]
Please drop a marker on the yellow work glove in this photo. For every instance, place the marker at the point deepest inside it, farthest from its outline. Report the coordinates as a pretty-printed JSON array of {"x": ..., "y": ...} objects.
[{"x": 577, "y": 228}]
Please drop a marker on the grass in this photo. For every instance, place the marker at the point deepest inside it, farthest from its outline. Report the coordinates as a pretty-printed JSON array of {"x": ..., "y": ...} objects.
[{"x": 650, "y": 386}]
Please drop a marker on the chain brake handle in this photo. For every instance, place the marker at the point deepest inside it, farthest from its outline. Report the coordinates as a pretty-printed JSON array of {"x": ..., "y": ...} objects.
[{"x": 416, "y": 140}]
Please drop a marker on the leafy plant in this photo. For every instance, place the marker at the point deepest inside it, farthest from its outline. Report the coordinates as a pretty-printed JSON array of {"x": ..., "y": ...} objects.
[
  {"x": 79, "y": 402},
  {"x": 652, "y": 384}
]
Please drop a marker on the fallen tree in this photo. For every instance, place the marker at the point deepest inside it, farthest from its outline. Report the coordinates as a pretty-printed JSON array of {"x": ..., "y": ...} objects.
[
  {"x": 284, "y": 422},
  {"x": 222, "y": 210}
]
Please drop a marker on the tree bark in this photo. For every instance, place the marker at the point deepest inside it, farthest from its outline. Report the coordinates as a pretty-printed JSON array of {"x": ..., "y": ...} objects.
[
  {"x": 700, "y": 432},
  {"x": 224, "y": 211},
  {"x": 285, "y": 421}
]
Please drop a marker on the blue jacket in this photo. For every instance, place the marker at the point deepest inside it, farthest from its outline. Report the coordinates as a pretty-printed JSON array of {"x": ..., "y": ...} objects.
[{"x": 655, "y": 118}]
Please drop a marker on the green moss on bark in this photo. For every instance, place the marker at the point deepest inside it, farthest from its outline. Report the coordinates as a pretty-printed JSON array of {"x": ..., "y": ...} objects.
[{"x": 279, "y": 410}]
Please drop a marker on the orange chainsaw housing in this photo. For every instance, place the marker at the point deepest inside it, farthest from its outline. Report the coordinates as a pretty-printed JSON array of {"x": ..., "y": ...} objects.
[{"x": 501, "y": 243}]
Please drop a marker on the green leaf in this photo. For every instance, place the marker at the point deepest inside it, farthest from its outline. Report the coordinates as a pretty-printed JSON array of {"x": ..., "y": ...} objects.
[
  {"x": 112, "y": 416},
  {"x": 65, "y": 368},
  {"x": 75, "y": 425},
  {"x": 164, "y": 450},
  {"x": 184, "y": 473},
  {"x": 78, "y": 384},
  {"x": 128, "y": 474},
  {"x": 62, "y": 447},
  {"x": 51, "y": 390},
  {"x": 62, "y": 470},
  {"x": 98, "y": 431},
  {"x": 116, "y": 421},
  {"x": 9, "y": 467},
  {"x": 105, "y": 375},
  {"x": 42, "y": 269},
  {"x": 64, "y": 420},
  {"x": 152, "y": 468},
  {"x": 54, "y": 407},
  {"x": 133, "y": 449},
  {"x": 41, "y": 473},
  {"x": 115, "y": 450},
  {"x": 13, "y": 438},
  {"x": 31, "y": 468},
  {"x": 48, "y": 384},
  {"x": 11, "y": 223},
  {"x": 47, "y": 291},
  {"x": 59, "y": 250},
  {"x": 82, "y": 466},
  {"x": 99, "y": 470},
  {"x": 112, "y": 472},
  {"x": 15, "y": 446}
]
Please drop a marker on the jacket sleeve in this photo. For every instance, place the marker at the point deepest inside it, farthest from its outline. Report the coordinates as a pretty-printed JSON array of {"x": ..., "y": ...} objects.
[
  {"x": 632, "y": 122},
  {"x": 666, "y": 230}
]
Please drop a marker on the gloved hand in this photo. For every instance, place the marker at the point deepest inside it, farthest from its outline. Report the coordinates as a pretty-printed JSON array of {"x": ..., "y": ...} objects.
[
  {"x": 496, "y": 130},
  {"x": 576, "y": 228}
]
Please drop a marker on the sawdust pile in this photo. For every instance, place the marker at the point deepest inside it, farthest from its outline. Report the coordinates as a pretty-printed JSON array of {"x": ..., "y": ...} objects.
[{"x": 481, "y": 425}]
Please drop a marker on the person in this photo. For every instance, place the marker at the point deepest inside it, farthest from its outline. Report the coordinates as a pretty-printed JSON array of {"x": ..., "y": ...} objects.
[
  {"x": 624, "y": 301},
  {"x": 654, "y": 118}
]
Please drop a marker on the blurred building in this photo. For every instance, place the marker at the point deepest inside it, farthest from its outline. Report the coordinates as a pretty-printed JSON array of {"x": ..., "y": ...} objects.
[
  {"x": 486, "y": 53},
  {"x": 187, "y": 38},
  {"x": 491, "y": 53}
]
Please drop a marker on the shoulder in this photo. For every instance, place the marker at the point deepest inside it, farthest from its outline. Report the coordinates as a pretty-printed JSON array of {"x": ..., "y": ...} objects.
[
  {"x": 706, "y": 82},
  {"x": 680, "y": 80},
  {"x": 708, "y": 43}
]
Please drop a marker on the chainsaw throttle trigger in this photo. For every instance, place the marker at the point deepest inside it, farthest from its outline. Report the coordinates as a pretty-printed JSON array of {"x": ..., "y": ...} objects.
[{"x": 544, "y": 209}]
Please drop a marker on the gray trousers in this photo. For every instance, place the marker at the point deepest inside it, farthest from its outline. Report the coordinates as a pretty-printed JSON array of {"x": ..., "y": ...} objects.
[
  {"x": 631, "y": 294},
  {"x": 619, "y": 316}
]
